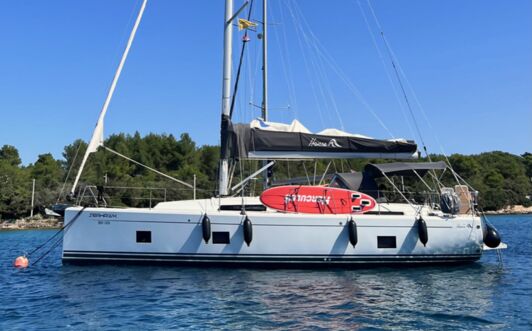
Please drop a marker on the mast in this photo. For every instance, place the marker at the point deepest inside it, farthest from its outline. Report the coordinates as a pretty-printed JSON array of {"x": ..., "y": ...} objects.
[
  {"x": 223, "y": 178},
  {"x": 265, "y": 76},
  {"x": 264, "y": 60},
  {"x": 97, "y": 135}
]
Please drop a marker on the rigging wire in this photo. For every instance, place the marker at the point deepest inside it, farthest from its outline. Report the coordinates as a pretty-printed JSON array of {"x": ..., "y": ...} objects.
[
  {"x": 315, "y": 169},
  {"x": 416, "y": 210},
  {"x": 149, "y": 168},
  {"x": 320, "y": 79},
  {"x": 425, "y": 117},
  {"x": 68, "y": 172},
  {"x": 288, "y": 68},
  {"x": 306, "y": 172},
  {"x": 246, "y": 107},
  {"x": 320, "y": 73},
  {"x": 243, "y": 49},
  {"x": 321, "y": 50},
  {"x": 311, "y": 81},
  {"x": 325, "y": 173},
  {"x": 243, "y": 106},
  {"x": 323, "y": 83},
  {"x": 334, "y": 166},
  {"x": 399, "y": 71},
  {"x": 97, "y": 134},
  {"x": 330, "y": 95},
  {"x": 399, "y": 80},
  {"x": 385, "y": 66}
]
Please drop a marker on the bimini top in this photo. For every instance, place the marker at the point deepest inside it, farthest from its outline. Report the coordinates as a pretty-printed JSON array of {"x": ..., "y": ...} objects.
[
  {"x": 365, "y": 181},
  {"x": 403, "y": 168},
  {"x": 269, "y": 140}
]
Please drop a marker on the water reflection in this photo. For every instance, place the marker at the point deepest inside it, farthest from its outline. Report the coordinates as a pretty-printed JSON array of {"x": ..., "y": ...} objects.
[
  {"x": 224, "y": 298},
  {"x": 479, "y": 295}
]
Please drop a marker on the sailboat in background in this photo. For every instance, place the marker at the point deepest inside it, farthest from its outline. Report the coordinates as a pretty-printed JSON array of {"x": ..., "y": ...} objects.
[{"x": 347, "y": 222}]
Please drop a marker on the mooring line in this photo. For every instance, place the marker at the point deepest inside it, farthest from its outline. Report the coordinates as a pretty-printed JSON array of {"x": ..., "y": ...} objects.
[{"x": 63, "y": 228}]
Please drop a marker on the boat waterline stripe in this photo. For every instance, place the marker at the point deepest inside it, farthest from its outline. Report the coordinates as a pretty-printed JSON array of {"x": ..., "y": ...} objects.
[
  {"x": 284, "y": 259},
  {"x": 251, "y": 255},
  {"x": 266, "y": 261},
  {"x": 270, "y": 262}
]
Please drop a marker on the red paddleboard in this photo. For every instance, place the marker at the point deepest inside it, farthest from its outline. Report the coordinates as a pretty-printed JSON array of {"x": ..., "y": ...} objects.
[{"x": 316, "y": 200}]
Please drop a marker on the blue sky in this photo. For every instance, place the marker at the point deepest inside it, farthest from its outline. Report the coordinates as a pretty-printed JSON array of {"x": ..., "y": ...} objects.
[{"x": 469, "y": 63}]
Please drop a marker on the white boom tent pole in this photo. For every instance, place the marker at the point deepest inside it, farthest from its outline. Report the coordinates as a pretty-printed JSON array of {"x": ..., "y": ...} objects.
[{"x": 97, "y": 135}]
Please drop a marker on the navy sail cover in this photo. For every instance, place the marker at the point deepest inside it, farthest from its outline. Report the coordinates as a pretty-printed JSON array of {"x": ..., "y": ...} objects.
[{"x": 255, "y": 143}]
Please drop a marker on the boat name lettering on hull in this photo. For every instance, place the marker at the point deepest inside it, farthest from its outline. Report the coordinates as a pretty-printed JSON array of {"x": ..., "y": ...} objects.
[{"x": 104, "y": 215}]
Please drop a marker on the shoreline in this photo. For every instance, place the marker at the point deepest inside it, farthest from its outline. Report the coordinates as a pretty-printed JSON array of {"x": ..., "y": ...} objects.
[
  {"x": 31, "y": 224},
  {"x": 511, "y": 210}
]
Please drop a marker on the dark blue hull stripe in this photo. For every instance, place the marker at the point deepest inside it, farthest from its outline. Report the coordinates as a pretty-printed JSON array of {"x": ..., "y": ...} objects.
[{"x": 284, "y": 259}]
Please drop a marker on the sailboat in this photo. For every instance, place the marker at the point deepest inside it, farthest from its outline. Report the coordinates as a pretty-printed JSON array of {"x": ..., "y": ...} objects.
[{"x": 347, "y": 222}]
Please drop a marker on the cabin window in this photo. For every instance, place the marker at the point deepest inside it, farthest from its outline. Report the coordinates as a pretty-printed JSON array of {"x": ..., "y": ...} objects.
[
  {"x": 144, "y": 237},
  {"x": 246, "y": 207},
  {"x": 386, "y": 242},
  {"x": 383, "y": 212},
  {"x": 220, "y": 237}
]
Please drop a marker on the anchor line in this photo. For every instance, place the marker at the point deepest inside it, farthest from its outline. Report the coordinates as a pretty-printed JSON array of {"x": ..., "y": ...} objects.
[{"x": 63, "y": 228}]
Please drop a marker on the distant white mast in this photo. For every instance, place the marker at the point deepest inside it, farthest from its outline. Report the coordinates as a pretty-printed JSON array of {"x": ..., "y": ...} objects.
[{"x": 97, "y": 135}]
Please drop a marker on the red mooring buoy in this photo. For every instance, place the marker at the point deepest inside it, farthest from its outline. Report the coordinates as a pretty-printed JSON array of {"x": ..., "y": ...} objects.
[{"x": 21, "y": 262}]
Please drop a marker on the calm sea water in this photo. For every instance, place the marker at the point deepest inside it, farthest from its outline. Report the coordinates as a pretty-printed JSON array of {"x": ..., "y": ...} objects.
[{"x": 482, "y": 295}]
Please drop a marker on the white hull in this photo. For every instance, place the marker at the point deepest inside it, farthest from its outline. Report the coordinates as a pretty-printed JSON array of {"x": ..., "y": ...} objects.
[{"x": 110, "y": 235}]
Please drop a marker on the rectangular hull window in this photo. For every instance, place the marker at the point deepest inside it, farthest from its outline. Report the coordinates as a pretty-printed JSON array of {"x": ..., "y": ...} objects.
[
  {"x": 220, "y": 237},
  {"x": 144, "y": 236},
  {"x": 386, "y": 242}
]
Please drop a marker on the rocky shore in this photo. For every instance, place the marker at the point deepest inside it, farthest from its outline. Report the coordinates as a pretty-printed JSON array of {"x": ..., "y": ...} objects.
[
  {"x": 31, "y": 223},
  {"x": 515, "y": 210}
]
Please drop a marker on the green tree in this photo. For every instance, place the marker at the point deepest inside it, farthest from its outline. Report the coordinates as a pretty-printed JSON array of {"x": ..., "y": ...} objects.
[
  {"x": 15, "y": 185},
  {"x": 10, "y": 155},
  {"x": 48, "y": 174},
  {"x": 527, "y": 160},
  {"x": 501, "y": 178}
]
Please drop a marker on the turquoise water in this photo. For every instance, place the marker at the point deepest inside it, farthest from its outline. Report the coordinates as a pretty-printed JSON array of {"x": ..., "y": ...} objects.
[{"x": 481, "y": 295}]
